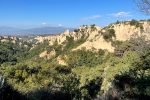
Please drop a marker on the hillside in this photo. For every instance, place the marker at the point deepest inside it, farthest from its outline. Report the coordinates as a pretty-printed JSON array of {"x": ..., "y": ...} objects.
[
  {"x": 100, "y": 38},
  {"x": 90, "y": 63}
]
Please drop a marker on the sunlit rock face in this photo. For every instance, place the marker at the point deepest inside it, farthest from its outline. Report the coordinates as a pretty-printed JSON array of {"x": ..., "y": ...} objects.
[{"x": 94, "y": 35}]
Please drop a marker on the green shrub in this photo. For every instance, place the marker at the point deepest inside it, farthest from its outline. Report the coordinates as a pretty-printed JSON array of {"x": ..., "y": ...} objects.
[
  {"x": 109, "y": 34},
  {"x": 85, "y": 58},
  {"x": 136, "y": 24}
]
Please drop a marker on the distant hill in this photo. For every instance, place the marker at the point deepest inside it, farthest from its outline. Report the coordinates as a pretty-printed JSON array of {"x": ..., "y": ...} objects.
[{"x": 32, "y": 31}]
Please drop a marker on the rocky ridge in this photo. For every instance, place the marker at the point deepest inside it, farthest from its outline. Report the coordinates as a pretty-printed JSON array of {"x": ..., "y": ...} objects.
[{"x": 95, "y": 35}]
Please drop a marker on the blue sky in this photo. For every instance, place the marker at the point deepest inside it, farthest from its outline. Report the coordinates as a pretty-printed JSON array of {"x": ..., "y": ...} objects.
[{"x": 69, "y": 13}]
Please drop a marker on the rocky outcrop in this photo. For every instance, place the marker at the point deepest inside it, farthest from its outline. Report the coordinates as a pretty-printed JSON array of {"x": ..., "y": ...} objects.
[
  {"x": 124, "y": 30},
  {"x": 94, "y": 35},
  {"x": 8, "y": 39},
  {"x": 48, "y": 55},
  {"x": 61, "y": 60}
]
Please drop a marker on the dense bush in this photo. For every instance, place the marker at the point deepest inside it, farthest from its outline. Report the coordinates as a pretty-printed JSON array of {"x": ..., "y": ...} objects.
[
  {"x": 10, "y": 52},
  {"x": 85, "y": 58},
  {"x": 136, "y": 24},
  {"x": 109, "y": 34}
]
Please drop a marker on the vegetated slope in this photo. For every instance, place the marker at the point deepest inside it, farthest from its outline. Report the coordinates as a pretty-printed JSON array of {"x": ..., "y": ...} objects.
[{"x": 77, "y": 65}]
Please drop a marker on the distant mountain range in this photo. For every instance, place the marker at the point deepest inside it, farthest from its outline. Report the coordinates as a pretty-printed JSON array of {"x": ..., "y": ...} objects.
[{"x": 32, "y": 31}]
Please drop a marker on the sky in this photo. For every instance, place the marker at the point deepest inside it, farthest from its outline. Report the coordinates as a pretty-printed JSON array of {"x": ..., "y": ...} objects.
[{"x": 67, "y": 13}]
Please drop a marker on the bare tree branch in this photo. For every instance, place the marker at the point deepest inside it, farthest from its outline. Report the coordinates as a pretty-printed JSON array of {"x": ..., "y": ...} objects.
[{"x": 143, "y": 5}]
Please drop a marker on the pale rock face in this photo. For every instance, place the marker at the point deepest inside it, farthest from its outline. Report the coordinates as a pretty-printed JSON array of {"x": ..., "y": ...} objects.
[
  {"x": 96, "y": 41},
  {"x": 146, "y": 29},
  {"x": 8, "y": 39},
  {"x": 43, "y": 54},
  {"x": 47, "y": 54},
  {"x": 53, "y": 38},
  {"x": 4, "y": 40},
  {"x": 61, "y": 61},
  {"x": 123, "y": 31},
  {"x": 126, "y": 31}
]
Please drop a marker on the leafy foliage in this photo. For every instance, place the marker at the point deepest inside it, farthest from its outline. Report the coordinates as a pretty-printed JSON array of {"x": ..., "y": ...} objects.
[
  {"x": 109, "y": 34},
  {"x": 85, "y": 58}
]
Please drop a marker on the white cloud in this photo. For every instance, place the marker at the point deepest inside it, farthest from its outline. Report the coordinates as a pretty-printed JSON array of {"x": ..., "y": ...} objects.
[
  {"x": 60, "y": 25},
  {"x": 122, "y": 14},
  {"x": 91, "y": 18},
  {"x": 44, "y": 23}
]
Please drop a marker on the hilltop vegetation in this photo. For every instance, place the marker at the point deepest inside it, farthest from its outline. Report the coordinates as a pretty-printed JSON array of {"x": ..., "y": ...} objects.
[{"x": 87, "y": 73}]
